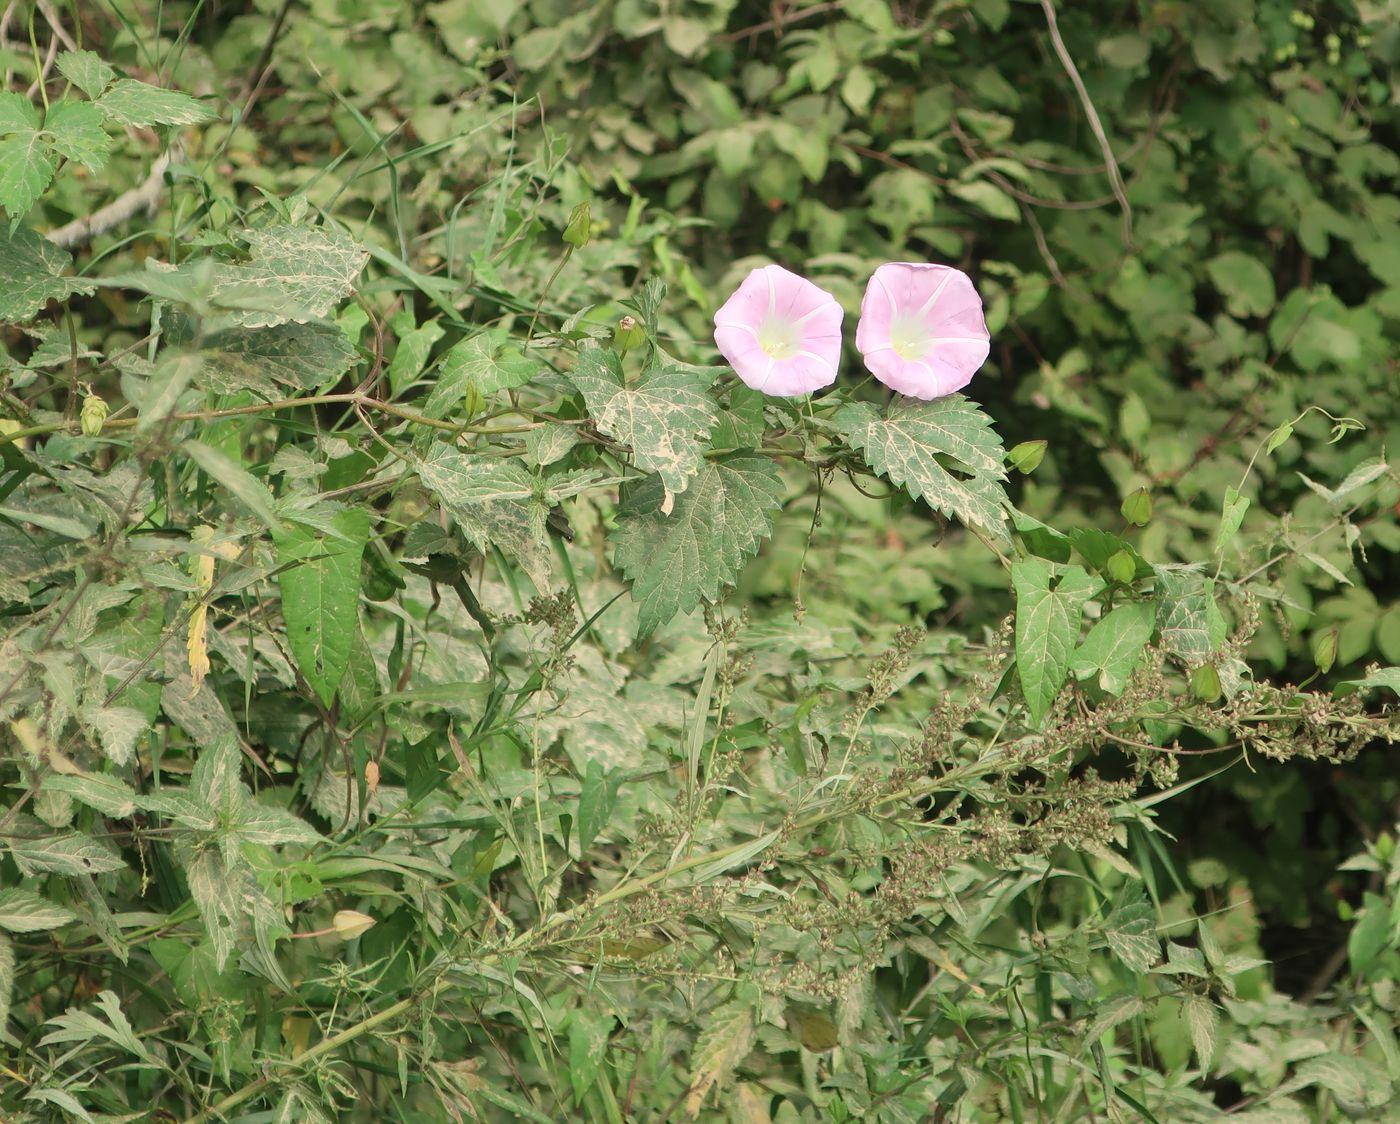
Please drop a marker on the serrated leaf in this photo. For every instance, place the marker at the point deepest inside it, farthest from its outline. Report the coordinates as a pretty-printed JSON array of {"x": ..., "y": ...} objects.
[
  {"x": 663, "y": 418},
  {"x": 75, "y": 132},
  {"x": 109, "y": 795},
  {"x": 1131, "y": 936},
  {"x": 23, "y": 911},
  {"x": 1049, "y": 604},
  {"x": 81, "y": 1026},
  {"x": 17, "y": 113},
  {"x": 302, "y": 356},
  {"x": 484, "y": 363},
  {"x": 86, "y": 70},
  {"x": 26, "y": 168},
  {"x": 319, "y": 576},
  {"x": 1202, "y": 1020},
  {"x": 1114, "y": 645},
  {"x": 1188, "y": 619},
  {"x": 495, "y": 503},
  {"x": 727, "y": 1038},
  {"x": 139, "y": 105},
  {"x": 70, "y": 854},
  {"x": 719, "y": 521},
  {"x": 268, "y": 826},
  {"x": 295, "y": 273},
  {"x": 907, "y": 443}
]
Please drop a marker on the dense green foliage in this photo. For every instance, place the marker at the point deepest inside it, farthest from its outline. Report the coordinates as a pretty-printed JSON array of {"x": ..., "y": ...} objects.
[{"x": 424, "y": 697}]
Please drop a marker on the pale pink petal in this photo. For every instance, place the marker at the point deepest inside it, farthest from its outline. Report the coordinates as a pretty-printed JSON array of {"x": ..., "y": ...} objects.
[
  {"x": 921, "y": 330},
  {"x": 740, "y": 346},
  {"x": 780, "y": 333}
]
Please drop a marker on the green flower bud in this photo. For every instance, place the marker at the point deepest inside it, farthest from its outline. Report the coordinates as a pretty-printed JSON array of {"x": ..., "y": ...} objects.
[
  {"x": 1324, "y": 650},
  {"x": 628, "y": 334},
  {"x": 580, "y": 223},
  {"x": 1122, "y": 567},
  {"x": 1026, "y": 456},
  {"x": 93, "y": 414},
  {"x": 1205, "y": 683},
  {"x": 1137, "y": 508}
]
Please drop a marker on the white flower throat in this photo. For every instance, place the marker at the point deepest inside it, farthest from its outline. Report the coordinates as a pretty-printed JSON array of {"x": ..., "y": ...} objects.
[
  {"x": 909, "y": 336},
  {"x": 779, "y": 338}
]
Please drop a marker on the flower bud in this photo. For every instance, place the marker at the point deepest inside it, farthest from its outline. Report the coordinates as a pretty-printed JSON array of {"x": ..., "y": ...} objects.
[
  {"x": 93, "y": 414},
  {"x": 1026, "y": 456},
  {"x": 351, "y": 923},
  {"x": 628, "y": 334},
  {"x": 1137, "y": 508},
  {"x": 580, "y": 225},
  {"x": 1324, "y": 650},
  {"x": 1122, "y": 567}
]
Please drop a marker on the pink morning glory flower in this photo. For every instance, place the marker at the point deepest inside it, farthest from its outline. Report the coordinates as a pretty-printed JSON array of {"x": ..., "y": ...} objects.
[
  {"x": 780, "y": 333},
  {"x": 921, "y": 329}
]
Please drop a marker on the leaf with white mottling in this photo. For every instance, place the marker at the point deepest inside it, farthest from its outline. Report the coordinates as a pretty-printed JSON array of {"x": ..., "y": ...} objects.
[
  {"x": 86, "y": 70},
  {"x": 495, "y": 503},
  {"x": 719, "y": 521},
  {"x": 107, "y": 794},
  {"x": 31, "y": 268},
  {"x": 906, "y": 444},
  {"x": 302, "y": 356},
  {"x": 23, "y": 911},
  {"x": 664, "y": 418},
  {"x": 139, "y": 104},
  {"x": 75, "y": 132},
  {"x": 294, "y": 273},
  {"x": 727, "y": 1038},
  {"x": 69, "y": 853}
]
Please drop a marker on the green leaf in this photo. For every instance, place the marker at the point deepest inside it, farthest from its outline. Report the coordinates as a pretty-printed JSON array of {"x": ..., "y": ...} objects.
[
  {"x": 1125, "y": 51},
  {"x": 1231, "y": 516},
  {"x": 80, "y": 1026},
  {"x": 989, "y": 198},
  {"x": 139, "y": 105},
  {"x": 1131, "y": 935},
  {"x": 69, "y": 854},
  {"x": 241, "y": 484},
  {"x": 74, "y": 130},
  {"x": 109, "y": 795},
  {"x": 297, "y": 273},
  {"x": 908, "y": 445},
  {"x": 1371, "y": 935},
  {"x": 484, "y": 363},
  {"x": 664, "y": 417},
  {"x": 26, "y": 166},
  {"x": 1202, "y": 1021},
  {"x": 412, "y": 354},
  {"x": 1114, "y": 645},
  {"x": 1385, "y": 677},
  {"x": 86, "y": 70},
  {"x": 588, "y": 1042},
  {"x": 726, "y": 1040},
  {"x": 1049, "y": 603},
  {"x": 320, "y": 582},
  {"x": 595, "y": 802},
  {"x": 675, "y": 560},
  {"x": 1188, "y": 619},
  {"x": 302, "y": 356},
  {"x": 1245, "y": 283},
  {"x": 495, "y": 502},
  {"x": 23, "y": 911}
]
